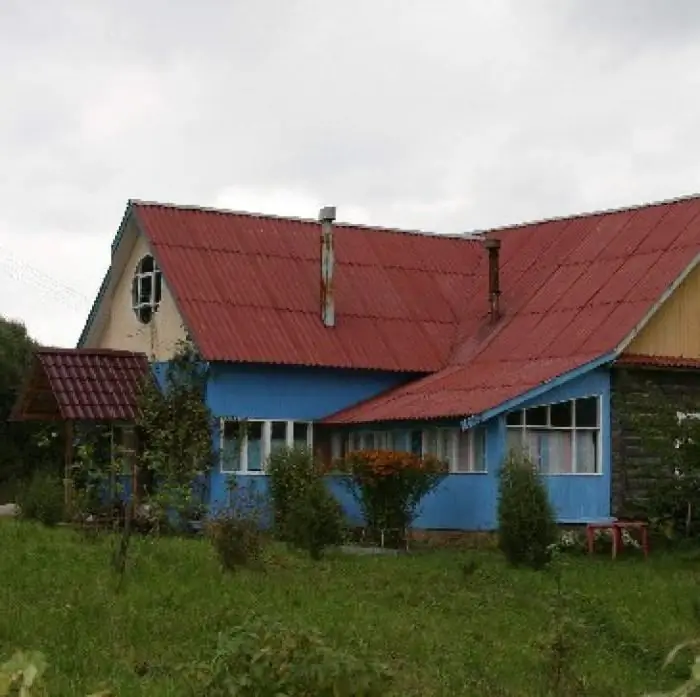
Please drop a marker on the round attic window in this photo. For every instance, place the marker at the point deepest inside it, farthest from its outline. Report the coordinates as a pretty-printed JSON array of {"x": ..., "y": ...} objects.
[{"x": 146, "y": 289}]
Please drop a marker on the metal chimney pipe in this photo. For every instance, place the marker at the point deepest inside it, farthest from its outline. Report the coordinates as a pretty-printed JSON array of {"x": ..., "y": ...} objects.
[
  {"x": 493, "y": 247},
  {"x": 327, "y": 216}
]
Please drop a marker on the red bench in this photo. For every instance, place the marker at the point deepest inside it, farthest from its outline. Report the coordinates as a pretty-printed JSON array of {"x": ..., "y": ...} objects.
[{"x": 616, "y": 527}]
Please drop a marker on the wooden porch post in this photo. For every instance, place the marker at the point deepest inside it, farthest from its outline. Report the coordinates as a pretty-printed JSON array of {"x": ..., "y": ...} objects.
[{"x": 67, "y": 471}]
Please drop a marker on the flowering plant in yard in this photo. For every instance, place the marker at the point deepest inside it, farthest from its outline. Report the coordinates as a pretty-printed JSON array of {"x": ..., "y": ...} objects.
[{"x": 390, "y": 485}]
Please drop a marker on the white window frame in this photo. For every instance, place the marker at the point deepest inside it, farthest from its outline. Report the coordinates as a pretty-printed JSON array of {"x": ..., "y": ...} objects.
[
  {"x": 447, "y": 448},
  {"x": 573, "y": 429},
  {"x": 359, "y": 440},
  {"x": 450, "y": 450},
  {"x": 266, "y": 440},
  {"x": 471, "y": 452},
  {"x": 156, "y": 276}
]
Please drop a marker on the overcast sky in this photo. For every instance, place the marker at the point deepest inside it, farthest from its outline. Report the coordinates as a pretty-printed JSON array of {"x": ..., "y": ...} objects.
[{"x": 446, "y": 116}]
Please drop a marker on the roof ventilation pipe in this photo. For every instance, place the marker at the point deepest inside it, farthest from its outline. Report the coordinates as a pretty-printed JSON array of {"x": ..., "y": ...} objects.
[
  {"x": 327, "y": 216},
  {"x": 493, "y": 247}
]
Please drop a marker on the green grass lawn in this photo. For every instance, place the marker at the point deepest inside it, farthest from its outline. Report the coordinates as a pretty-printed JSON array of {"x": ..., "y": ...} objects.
[{"x": 442, "y": 631}]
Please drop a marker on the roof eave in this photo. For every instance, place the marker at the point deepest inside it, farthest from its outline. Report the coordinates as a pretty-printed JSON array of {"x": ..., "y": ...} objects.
[
  {"x": 468, "y": 421},
  {"x": 106, "y": 279},
  {"x": 540, "y": 390}
]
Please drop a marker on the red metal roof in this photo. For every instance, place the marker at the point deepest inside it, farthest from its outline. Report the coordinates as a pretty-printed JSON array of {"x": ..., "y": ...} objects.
[
  {"x": 648, "y": 361},
  {"x": 573, "y": 290},
  {"x": 84, "y": 385},
  {"x": 248, "y": 288}
]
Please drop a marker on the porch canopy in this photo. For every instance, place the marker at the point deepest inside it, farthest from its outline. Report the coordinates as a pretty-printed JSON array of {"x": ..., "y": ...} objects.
[{"x": 81, "y": 385}]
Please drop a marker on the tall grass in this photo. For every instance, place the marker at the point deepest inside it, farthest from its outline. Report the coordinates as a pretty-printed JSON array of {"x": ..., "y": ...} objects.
[{"x": 443, "y": 630}]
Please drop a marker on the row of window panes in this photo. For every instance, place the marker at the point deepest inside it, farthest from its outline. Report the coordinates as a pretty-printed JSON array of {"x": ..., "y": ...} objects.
[
  {"x": 463, "y": 451},
  {"x": 574, "y": 413},
  {"x": 245, "y": 446}
]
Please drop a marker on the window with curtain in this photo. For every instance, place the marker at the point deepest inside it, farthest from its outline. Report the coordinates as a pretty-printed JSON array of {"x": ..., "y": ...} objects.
[{"x": 560, "y": 438}]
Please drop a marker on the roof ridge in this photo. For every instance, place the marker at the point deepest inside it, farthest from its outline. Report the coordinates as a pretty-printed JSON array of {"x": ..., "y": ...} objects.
[
  {"x": 44, "y": 350},
  {"x": 298, "y": 219},
  {"x": 477, "y": 233}
]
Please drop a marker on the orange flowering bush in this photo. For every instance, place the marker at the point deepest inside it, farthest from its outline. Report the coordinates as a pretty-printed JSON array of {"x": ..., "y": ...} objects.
[{"x": 389, "y": 485}]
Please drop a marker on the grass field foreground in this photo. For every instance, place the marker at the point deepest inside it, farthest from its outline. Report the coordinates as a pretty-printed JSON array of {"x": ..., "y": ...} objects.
[{"x": 444, "y": 628}]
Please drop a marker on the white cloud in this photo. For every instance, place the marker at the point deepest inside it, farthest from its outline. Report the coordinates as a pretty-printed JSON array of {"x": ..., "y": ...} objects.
[{"x": 476, "y": 114}]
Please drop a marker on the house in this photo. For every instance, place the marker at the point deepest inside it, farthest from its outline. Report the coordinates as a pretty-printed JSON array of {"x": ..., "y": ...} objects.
[{"x": 345, "y": 337}]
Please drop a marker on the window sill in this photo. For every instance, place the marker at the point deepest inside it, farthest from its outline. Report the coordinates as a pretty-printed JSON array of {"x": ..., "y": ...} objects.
[
  {"x": 571, "y": 474},
  {"x": 241, "y": 472},
  {"x": 479, "y": 472}
]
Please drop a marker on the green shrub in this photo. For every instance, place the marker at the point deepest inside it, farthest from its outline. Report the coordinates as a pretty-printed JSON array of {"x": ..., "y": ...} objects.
[
  {"x": 236, "y": 532},
  {"x": 237, "y": 541},
  {"x": 314, "y": 520},
  {"x": 305, "y": 514},
  {"x": 526, "y": 526},
  {"x": 266, "y": 659},
  {"x": 42, "y": 498}
]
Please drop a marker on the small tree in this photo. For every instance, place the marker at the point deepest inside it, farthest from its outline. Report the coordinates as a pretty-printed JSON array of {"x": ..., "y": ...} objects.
[
  {"x": 236, "y": 532},
  {"x": 175, "y": 426},
  {"x": 389, "y": 486},
  {"x": 306, "y": 514},
  {"x": 175, "y": 429},
  {"x": 526, "y": 525}
]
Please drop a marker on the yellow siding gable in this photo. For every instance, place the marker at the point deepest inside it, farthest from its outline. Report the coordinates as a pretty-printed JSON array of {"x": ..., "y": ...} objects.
[
  {"x": 675, "y": 329},
  {"x": 119, "y": 327}
]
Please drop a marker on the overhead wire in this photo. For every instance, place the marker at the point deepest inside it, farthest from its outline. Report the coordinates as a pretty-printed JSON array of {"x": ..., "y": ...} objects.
[{"x": 23, "y": 272}]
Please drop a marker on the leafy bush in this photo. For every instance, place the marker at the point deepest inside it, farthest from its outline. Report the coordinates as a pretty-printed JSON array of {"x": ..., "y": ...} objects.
[
  {"x": 266, "y": 659},
  {"x": 526, "y": 526},
  {"x": 314, "y": 520},
  {"x": 306, "y": 514},
  {"x": 291, "y": 471},
  {"x": 236, "y": 532},
  {"x": 42, "y": 499},
  {"x": 237, "y": 541},
  {"x": 389, "y": 485}
]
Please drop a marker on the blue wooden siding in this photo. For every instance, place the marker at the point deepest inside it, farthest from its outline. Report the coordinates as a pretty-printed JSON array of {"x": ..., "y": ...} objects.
[
  {"x": 294, "y": 393},
  {"x": 469, "y": 501},
  {"x": 463, "y": 501},
  {"x": 289, "y": 393}
]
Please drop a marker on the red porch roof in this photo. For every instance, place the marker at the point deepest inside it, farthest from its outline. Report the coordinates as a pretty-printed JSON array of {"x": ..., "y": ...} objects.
[{"x": 81, "y": 385}]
